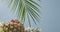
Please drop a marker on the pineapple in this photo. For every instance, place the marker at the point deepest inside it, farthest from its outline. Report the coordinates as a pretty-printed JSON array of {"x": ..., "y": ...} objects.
[
  {"x": 31, "y": 29},
  {"x": 12, "y": 26}
]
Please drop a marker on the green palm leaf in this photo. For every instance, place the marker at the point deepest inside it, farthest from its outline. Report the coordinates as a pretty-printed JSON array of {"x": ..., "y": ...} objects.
[{"x": 24, "y": 7}]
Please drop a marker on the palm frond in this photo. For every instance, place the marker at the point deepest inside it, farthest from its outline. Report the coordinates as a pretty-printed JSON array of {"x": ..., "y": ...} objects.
[{"x": 24, "y": 7}]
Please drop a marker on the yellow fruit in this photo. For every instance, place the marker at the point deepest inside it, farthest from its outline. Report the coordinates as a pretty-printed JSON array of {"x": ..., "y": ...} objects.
[{"x": 11, "y": 27}]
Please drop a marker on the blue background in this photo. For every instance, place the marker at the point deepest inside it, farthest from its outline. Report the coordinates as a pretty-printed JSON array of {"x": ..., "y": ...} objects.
[{"x": 50, "y": 16}]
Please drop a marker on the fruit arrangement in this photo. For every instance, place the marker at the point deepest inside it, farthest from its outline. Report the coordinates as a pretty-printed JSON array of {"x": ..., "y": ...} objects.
[
  {"x": 12, "y": 26},
  {"x": 30, "y": 29}
]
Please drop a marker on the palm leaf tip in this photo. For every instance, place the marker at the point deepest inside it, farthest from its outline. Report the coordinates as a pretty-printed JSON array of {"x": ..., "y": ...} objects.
[{"x": 25, "y": 7}]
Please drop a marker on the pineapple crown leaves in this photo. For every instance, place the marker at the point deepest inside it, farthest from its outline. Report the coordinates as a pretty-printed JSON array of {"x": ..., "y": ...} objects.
[{"x": 24, "y": 7}]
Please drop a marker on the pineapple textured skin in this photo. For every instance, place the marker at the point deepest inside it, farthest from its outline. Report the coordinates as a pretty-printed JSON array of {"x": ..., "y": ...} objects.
[{"x": 11, "y": 27}]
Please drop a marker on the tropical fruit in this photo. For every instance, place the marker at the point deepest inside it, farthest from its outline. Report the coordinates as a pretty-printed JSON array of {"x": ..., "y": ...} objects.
[
  {"x": 12, "y": 26},
  {"x": 30, "y": 29}
]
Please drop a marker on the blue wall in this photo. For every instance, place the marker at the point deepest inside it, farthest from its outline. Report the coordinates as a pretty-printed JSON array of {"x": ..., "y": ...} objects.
[{"x": 50, "y": 21}]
